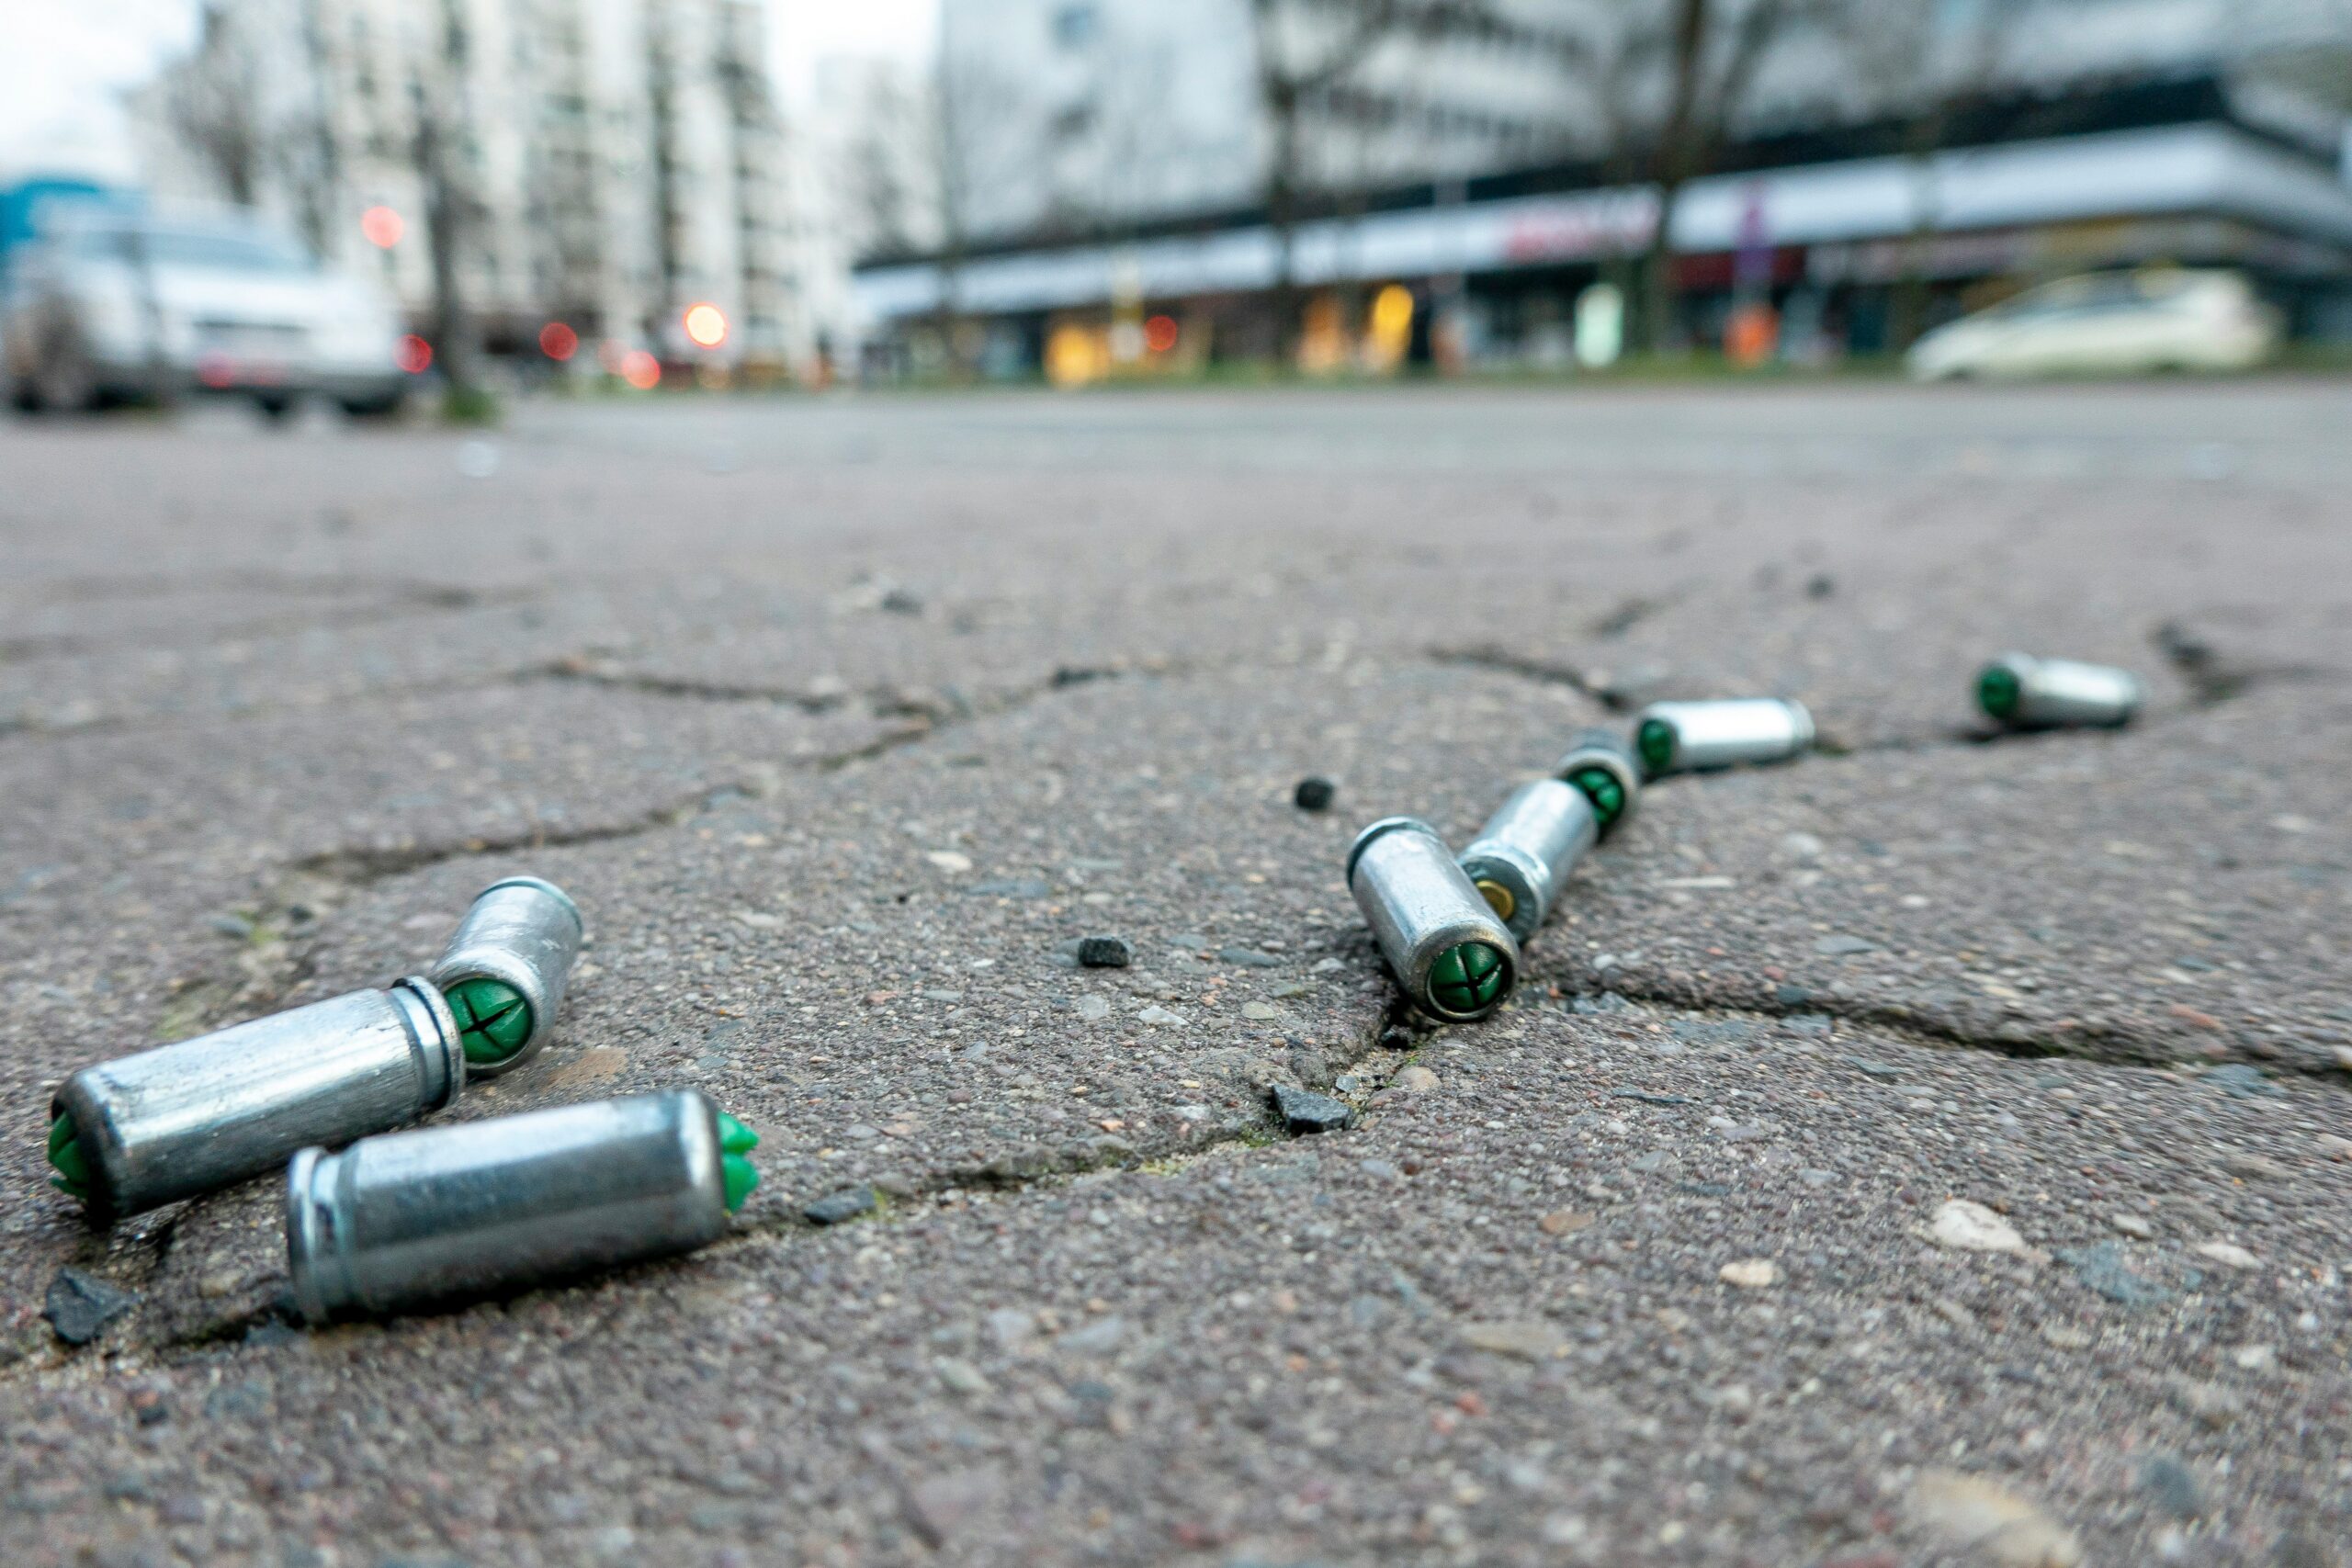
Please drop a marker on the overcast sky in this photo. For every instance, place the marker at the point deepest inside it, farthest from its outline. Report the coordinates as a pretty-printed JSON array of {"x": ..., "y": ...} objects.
[{"x": 64, "y": 60}]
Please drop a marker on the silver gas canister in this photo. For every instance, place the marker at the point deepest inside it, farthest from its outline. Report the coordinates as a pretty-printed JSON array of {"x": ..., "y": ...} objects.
[
  {"x": 1453, "y": 957},
  {"x": 2025, "y": 692},
  {"x": 186, "y": 1118},
  {"x": 1601, "y": 763},
  {"x": 504, "y": 970},
  {"x": 441, "y": 1215},
  {"x": 1689, "y": 738},
  {"x": 1522, "y": 856}
]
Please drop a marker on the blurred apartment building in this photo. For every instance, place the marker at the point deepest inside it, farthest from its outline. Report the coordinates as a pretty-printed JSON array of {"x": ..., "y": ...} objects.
[
  {"x": 1100, "y": 158},
  {"x": 601, "y": 164}
]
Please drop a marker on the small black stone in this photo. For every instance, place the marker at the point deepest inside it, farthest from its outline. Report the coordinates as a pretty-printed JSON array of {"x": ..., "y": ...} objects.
[
  {"x": 1304, "y": 1110},
  {"x": 834, "y": 1208},
  {"x": 80, "y": 1304},
  {"x": 1314, "y": 793},
  {"x": 1104, "y": 951},
  {"x": 1647, "y": 1097}
]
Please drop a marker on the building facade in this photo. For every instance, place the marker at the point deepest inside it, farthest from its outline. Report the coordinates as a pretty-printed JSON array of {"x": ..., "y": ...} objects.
[
  {"x": 603, "y": 164},
  {"x": 1083, "y": 116},
  {"x": 1495, "y": 170}
]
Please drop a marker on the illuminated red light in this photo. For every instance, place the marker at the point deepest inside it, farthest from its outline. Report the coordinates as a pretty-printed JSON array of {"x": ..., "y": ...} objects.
[
  {"x": 1160, "y": 333},
  {"x": 558, "y": 341},
  {"x": 382, "y": 227},
  {"x": 640, "y": 370},
  {"x": 413, "y": 355}
]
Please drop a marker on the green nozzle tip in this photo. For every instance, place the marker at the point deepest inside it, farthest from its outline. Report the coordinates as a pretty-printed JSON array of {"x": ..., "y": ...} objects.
[
  {"x": 1600, "y": 786},
  {"x": 734, "y": 1138},
  {"x": 1997, "y": 690},
  {"x": 493, "y": 1019},
  {"x": 61, "y": 1131},
  {"x": 1467, "y": 977},
  {"x": 1655, "y": 741},
  {"x": 740, "y": 1178}
]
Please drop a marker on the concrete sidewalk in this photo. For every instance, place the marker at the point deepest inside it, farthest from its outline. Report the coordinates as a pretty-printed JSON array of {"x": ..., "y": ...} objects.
[{"x": 841, "y": 719}]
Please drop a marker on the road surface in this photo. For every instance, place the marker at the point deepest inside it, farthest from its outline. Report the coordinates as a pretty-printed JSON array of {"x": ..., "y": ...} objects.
[{"x": 842, "y": 718}]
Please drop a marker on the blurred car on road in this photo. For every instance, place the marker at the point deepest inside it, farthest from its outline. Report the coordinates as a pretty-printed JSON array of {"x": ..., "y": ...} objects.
[
  {"x": 2108, "y": 323},
  {"x": 105, "y": 306}
]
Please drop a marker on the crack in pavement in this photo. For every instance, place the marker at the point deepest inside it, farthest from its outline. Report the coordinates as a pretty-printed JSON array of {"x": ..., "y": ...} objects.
[
  {"x": 2104, "y": 1041},
  {"x": 2213, "y": 678},
  {"x": 1030, "y": 1167},
  {"x": 2213, "y": 681},
  {"x": 593, "y": 669},
  {"x": 1489, "y": 656},
  {"x": 398, "y": 599},
  {"x": 312, "y": 886},
  {"x": 356, "y": 867},
  {"x": 1629, "y": 612},
  {"x": 1020, "y": 1170}
]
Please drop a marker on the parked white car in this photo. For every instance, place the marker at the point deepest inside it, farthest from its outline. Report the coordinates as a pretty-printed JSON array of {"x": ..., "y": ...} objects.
[
  {"x": 105, "y": 306},
  {"x": 2108, "y": 323}
]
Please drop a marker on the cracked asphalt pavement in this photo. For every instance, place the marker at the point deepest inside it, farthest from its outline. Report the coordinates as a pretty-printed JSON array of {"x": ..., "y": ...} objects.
[{"x": 1934, "y": 1151}]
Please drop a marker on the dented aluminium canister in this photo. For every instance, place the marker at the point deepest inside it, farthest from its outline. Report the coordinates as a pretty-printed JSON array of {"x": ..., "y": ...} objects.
[
  {"x": 2025, "y": 692},
  {"x": 1453, "y": 957},
  {"x": 1522, "y": 856},
  {"x": 440, "y": 1214},
  {"x": 504, "y": 970},
  {"x": 1689, "y": 738},
  {"x": 186, "y": 1118},
  {"x": 1600, "y": 764}
]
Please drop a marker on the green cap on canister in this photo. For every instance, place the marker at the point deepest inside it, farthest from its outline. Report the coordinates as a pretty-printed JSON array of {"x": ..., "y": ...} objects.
[
  {"x": 735, "y": 1142},
  {"x": 494, "y": 1021},
  {"x": 72, "y": 1177},
  {"x": 1655, "y": 741},
  {"x": 1467, "y": 976},
  {"x": 1603, "y": 789}
]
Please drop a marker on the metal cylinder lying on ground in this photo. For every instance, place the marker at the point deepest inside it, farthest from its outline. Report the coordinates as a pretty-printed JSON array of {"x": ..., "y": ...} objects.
[
  {"x": 1600, "y": 764},
  {"x": 187, "y": 1118},
  {"x": 504, "y": 970},
  {"x": 2025, "y": 692},
  {"x": 1522, "y": 856},
  {"x": 1689, "y": 738},
  {"x": 442, "y": 1214},
  {"x": 1453, "y": 957}
]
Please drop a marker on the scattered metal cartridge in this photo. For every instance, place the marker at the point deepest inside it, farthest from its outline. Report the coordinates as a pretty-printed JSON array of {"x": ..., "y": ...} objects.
[
  {"x": 1600, "y": 764},
  {"x": 505, "y": 971},
  {"x": 1453, "y": 958},
  {"x": 1689, "y": 738},
  {"x": 441, "y": 1215},
  {"x": 2025, "y": 692},
  {"x": 183, "y": 1119},
  {"x": 1523, "y": 856}
]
